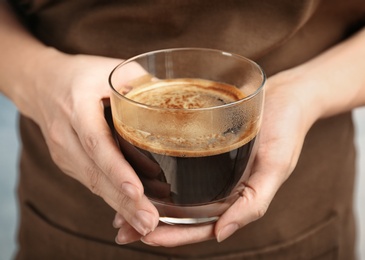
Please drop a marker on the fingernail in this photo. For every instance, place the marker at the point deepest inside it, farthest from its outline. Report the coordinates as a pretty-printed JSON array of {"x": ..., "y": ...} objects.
[
  {"x": 131, "y": 191},
  {"x": 227, "y": 231},
  {"x": 143, "y": 222},
  {"x": 121, "y": 239}
]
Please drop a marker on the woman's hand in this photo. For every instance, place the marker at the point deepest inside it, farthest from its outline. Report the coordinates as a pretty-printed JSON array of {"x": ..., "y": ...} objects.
[
  {"x": 66, "y": 101},
  {"x": 64, "y": 95},
  {"x": 329, "y": 84}
]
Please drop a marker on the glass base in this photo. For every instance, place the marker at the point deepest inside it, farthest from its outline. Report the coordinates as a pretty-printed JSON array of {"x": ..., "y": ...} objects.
[
  {"x": 193, "y": 214},
  {"x": 188, "y": 221}
]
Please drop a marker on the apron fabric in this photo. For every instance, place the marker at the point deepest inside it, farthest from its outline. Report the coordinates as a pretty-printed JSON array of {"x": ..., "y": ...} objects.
[{"x": 311, "y": 216}]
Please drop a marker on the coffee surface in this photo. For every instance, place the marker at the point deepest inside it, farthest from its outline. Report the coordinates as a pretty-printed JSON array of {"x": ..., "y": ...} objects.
[
  {"x": 185, "y": 93},
  {"x": 193, "y": 118}
]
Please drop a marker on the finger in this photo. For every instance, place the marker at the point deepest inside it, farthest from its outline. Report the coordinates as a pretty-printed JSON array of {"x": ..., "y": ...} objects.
[
  {"x": 253, "y": 203},
  {"x": 172, "y": 236},
  {"x": 140, "y": 214},
  {"x": 135, "y": 213},
  {"x": 127, "y": 234},
  {"x": 110, "y": 176},
  {"x": 96, "y": 139},
  {"x": 64, "y": 145},
  {"x": 118, "y": 221}
]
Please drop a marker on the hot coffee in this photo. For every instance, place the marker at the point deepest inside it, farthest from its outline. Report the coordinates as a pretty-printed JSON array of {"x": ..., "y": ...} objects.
[
  {"x": 186, "y": 120},
  {"x": 201, "y": 155}
]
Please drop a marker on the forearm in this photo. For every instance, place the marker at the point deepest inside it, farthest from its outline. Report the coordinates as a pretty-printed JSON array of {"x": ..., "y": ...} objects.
[
  {"x": 336, "y": 77},
  {"x": 21, "y": 56}
]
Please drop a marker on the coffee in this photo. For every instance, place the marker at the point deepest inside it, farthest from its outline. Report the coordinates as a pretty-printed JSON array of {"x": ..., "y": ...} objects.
[{"x": 185, "y": 151}]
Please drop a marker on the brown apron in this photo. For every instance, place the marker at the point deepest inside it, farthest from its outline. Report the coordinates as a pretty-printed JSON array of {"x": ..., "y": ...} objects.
[{"x": 311, "y": 217}]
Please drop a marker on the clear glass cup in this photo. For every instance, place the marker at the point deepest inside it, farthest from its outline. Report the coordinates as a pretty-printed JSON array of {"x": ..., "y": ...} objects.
[{"x": 186, "y": 120}]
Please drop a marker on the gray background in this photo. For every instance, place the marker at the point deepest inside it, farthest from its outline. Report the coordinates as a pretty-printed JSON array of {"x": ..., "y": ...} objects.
[{"x": 8, "y": 176}]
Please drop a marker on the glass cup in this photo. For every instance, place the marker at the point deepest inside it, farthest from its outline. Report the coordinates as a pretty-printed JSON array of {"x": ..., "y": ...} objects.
[{"x": 186, "y": 120}]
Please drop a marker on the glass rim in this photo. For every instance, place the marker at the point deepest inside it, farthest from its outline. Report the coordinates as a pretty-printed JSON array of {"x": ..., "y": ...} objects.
[{"x": 216, "y": 51}]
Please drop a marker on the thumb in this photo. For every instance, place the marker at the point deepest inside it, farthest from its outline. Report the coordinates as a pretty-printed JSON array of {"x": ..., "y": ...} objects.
[{"x": 251, "y": 205}]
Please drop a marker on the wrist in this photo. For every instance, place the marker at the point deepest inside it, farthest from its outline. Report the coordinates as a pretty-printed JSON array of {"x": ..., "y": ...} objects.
[
  {"x": 35, "y": 74},
  {"x": 336, "y": 77},
  {"x": 301, "y": 94}
]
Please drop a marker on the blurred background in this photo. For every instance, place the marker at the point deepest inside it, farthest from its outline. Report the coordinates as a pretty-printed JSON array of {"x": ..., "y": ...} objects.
[{"x": 9, "y": 146}]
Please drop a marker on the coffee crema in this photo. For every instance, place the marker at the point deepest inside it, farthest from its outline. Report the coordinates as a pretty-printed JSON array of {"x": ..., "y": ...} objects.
[
  {"x": 185, "y": 94},
  {"x": 186, "y": 123}
]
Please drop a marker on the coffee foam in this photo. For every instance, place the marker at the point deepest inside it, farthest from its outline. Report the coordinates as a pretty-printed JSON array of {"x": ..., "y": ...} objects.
[
  {"x": 185, "y": 94},
  {"x": 156, "y": 132}
]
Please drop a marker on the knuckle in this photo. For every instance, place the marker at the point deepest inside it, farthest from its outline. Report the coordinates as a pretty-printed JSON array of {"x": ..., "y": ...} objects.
[
  {"x": 86, "y": 135},
  {"x": 122, "y": 200},
  {"x": 261, "y": 211},
  {"x": 110, "y": 170},
  {"x": 94, "y": 179},
  {"x": 54, "y": 142},
  {"x": 260, "y": 206},
  {"x": 54, "y": 136},
  {"x": 91, "y": 143},
  {"x": 124, "y": 205},
  {"x": 56, "y": 157}
]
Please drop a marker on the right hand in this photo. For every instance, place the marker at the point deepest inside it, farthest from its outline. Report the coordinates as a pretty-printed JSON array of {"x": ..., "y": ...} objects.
[
  {"x": 286, "y": 121},
  {"x": 66, "y": 100}
]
